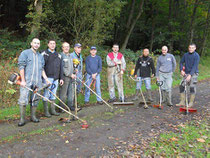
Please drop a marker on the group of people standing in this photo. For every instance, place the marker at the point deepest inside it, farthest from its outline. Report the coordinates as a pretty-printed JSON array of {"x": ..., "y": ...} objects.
[{"x": 54, "y": 69}]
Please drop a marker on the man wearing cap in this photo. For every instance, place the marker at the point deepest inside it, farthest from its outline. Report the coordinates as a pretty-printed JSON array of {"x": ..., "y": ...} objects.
[
  {"x": 77, "y": 55},
  {"x": 116, "y": 67},
  {"x": 93, "y": 65}
]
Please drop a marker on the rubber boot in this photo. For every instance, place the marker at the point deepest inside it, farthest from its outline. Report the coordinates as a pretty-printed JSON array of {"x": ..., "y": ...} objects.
[
  {"x": 136, "y": 95},
  {"x": 46, "y": 109},
  {"x": 22, "y": 115},
  {"x": 192, "y": 98},
  {"x": 53, "y": 112},
  {"x": 149, "y": 96},
  {"x": 33, "y": 114},
  {"x": 182, "y": 100},
  {"x": 169, "y": 103},
  {"x": 163, "y": 92}
]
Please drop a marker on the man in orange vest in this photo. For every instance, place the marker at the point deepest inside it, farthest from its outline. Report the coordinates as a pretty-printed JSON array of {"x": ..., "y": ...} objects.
[{"x": 116, "y": 67}]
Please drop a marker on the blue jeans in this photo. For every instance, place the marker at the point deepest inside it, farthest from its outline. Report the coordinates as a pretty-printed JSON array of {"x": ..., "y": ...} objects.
[
  {"x": 147, "y": 82},
  {"x": 52, "y": 88},
  {"x": 98, "y": 87}
]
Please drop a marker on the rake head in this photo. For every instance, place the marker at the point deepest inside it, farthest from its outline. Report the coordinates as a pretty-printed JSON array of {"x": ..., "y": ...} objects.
[
  {"x": 184, "y": 109},
  {"x": 123, "y": 103},
  {"x": 158, "y": 106}
]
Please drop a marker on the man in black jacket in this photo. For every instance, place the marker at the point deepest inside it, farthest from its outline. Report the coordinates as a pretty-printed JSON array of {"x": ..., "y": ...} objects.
[
  {"x": 54, "y": 72},
  {"x": 143, "y": 69}
]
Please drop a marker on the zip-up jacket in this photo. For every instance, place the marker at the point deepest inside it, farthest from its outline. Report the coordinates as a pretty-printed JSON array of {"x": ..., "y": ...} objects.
[
  {"x": 75, "y": 56},
  {"x": 144, "y": 67},
  {"x": 67, "y": 64},
  {"x": 33, "y": 65},
  {"x": 53, "y": 67}
]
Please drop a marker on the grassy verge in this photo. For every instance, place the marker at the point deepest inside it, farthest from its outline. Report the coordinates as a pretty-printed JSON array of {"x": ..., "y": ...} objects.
[
  {"x": 10, "y": 110},
  {"x": 192, "y": 141}
]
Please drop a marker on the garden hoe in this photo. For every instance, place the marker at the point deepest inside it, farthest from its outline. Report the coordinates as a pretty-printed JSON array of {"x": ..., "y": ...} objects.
[
  {"x": 16, "y": 79},
  {"x": 186, "y": 109},
  {"x": 144, "y": 100},
  {"x": 159, "y": 106},
  {"x": 66, "y": 120}
]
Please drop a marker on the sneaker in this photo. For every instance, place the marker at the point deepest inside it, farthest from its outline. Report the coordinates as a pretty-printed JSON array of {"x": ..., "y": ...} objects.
[{"x": 100, "y": 102}]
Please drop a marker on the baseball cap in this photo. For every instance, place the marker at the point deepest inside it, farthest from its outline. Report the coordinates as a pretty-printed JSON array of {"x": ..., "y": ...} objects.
[
  {"x": 93, "y": 47},
  {"x": 77, "y": 45}
]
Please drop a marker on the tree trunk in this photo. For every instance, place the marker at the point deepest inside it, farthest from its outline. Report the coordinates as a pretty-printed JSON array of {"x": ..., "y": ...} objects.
[
  {"x": 153, "y": 29},
  {"x": 193, "y": 21},
  {"x": 205, "y": 35},
  {"x": 131, "y": 14},
  {"x": 171, "y": 43},
  {"x": 130, "y": 29},
  {"x": 36, "y": 21}
]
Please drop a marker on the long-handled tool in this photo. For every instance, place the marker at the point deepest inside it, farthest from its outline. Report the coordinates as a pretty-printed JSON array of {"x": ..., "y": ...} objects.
[
  {"x": 95, "y": 93},
  {"x": 186, "y": 109},
  {"x": 67, "y": 120},
  {"x": 122, "y": 103},
  {"x": 16, "y": 79},
  {"x": 159, "y": 84},
  {"x": 144, "y": 100}
]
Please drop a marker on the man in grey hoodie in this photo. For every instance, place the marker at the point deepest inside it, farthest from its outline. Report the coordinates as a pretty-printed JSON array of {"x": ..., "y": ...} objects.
[{"x": 166, "y": 65}]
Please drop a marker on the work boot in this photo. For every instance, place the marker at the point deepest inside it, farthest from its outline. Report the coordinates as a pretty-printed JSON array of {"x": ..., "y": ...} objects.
[
  {"x": 111, "y": 100},
  {"x": 163, "y": 92},
  {"x": 22, "y": 115},
  {"x": 33, "y": 114},
  {"x": 149, "y": 95},
  {"x": 192, "y": 98},
  {"x": 136, "y": 95},
  {"x": 53, "y": 112},
  {"x": 169, "y": 103},
  {"x": 182, "y": 100},
  {"x": 46, "y": 109}
]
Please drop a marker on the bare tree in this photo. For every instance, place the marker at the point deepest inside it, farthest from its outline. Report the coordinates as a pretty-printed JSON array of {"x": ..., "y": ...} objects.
[
  {"x": 192, "y": 23},
  {"x": 132, "y": 23}
]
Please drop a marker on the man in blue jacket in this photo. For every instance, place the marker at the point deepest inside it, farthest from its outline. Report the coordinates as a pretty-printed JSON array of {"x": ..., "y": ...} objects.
[
  {"x": 31, "y": 66},
  {"x": 93, "y": 66},
  {"x": 190, "y": 61}
]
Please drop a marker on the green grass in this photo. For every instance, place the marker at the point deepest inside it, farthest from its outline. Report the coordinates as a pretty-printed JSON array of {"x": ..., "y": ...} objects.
[
  {"x": 10, "y": 110},
  {"x": 191, "y": 141}
]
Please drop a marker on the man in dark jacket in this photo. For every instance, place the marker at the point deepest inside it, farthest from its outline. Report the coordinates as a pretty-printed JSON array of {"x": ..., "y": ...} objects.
[
  {"x": 143, "y": 70},
  {"x": 190, "y": 60},
  {"x": 54, "y": 72}
]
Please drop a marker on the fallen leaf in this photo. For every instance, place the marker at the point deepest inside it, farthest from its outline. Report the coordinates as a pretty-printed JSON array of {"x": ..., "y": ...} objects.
[
  {"x": 200, "y": 140},
  {"x": 174, "y": 139}
]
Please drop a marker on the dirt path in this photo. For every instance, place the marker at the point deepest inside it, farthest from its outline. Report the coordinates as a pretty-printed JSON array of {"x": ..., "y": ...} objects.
[{"x": 108, "y": 134}]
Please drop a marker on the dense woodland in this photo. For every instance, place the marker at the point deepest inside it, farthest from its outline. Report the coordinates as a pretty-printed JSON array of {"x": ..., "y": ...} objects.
[{"x": 134, "y": 24}]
